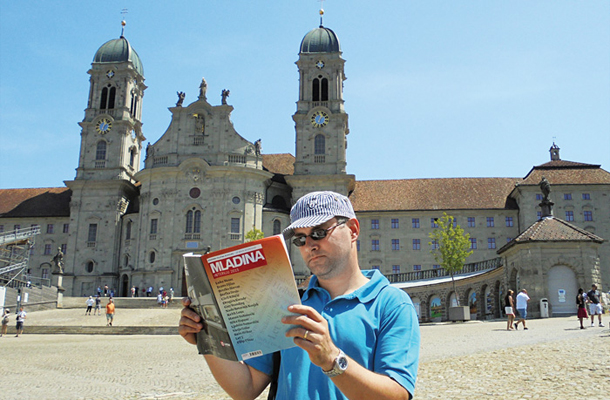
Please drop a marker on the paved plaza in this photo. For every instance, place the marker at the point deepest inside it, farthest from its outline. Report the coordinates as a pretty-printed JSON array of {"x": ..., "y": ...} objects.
[{"x": 475, "y": 360}]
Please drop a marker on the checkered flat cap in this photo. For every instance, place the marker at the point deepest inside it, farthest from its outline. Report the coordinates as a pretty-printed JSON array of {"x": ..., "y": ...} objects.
[{"x": 316, "y": 208}]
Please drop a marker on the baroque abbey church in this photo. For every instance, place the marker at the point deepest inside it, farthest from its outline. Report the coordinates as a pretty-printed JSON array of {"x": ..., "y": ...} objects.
[{"x": 204, "y": 186}]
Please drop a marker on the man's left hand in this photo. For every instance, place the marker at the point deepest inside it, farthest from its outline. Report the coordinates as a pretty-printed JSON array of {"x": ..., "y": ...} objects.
[{"x": 312, "y": 335}]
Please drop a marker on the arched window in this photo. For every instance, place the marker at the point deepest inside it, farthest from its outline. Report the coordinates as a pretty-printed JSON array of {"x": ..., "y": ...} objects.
[
  {"x": 320, "y": 144},
  {"x": 189, "y": 222},
  {"x": 197, "y": 222},
  {"x": 132, "y": 156},
  {"x": 128, "y": 231},
  {"x": 277, "y": 227},
  {"x": 111, "y": 98},
  {"x": 100, "y": 151},
  {"x": 152, "y": 256},
  {"x": 104, "y": 99},
  {"x": 319, "y": 89}
]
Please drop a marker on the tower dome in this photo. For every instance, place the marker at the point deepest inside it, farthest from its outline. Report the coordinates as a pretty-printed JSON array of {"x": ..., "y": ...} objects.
[
  {"x": 119, "y": 50},
  {"x": 320, "y": 40}
]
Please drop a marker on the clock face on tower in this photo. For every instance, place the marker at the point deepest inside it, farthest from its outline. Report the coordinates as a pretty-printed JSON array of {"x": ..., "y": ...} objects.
[
  {"x": 319, "y": 119},
  {"x": 104, "y": 125}
]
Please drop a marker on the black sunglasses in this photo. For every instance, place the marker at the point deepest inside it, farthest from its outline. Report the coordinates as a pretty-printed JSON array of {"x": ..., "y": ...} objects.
[{"x": 317, "y": 234}]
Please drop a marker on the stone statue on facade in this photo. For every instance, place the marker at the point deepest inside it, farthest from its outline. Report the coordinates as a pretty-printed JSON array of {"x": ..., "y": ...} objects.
[
  {"x": 181, "y": 96},
  {"x": 225, "y": 93},
  {"x": 58, "y": 261},
  {"x": 258, "y": 147},
  {"x": 203, "y": 88},
  {"x": 545, "y": 187}
]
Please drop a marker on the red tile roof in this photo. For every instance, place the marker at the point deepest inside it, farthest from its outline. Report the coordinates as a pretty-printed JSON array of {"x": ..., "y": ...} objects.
[
  {"x": 560, "y": 172},
  {"x": 39, "y": 202},
  {"x": 279, "y": 163},
  {"x": 433, "y": 194},
  {"x": 552, "y": 230}
]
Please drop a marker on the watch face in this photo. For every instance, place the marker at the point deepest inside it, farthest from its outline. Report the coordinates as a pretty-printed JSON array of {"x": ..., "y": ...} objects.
[
  {"x": 320, "y": 64},
  {"x": 110, "y": 74},
  {"x": 319, "y": 119},
  {"x": 104, "y": 125},
  {"x": 342, "y": 362}
]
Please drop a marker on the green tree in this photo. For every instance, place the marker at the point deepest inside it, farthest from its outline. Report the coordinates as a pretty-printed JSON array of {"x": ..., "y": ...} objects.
[
  {"x": 254, "y": 234},
  {"x": 450, "y": 247}
]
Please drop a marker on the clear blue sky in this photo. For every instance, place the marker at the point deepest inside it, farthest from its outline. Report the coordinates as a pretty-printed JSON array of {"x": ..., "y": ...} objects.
[{"x": 435, "y": 88}]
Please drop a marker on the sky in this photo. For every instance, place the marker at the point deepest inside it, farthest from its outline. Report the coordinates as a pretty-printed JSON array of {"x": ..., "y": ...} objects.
[{"x": 434, "y": 89}]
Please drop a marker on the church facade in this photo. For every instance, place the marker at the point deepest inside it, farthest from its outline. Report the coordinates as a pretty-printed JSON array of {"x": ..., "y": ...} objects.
[{"x": 205, "y": 186}]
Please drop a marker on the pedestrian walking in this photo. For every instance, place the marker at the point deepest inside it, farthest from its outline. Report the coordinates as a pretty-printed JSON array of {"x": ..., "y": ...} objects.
[
  {"x": 356, "y": 336},
  {"x": 171, "y": 294},
  {"x": 21, "y": 316},
  {"x": 595, "y": 306},
  {"x": 98, "y": 307},
  {"x": 90, "y": 302},
  {"x": 105, "y": 290},
  {"x": 509, "y": 309},
  {"x": 582, "y": 308},
  {"x": 109, "y": 312},
  {"x": 5, "y": 321},
  {"x": 133, "y": 291},
  {"x": 522, "y": 300}
]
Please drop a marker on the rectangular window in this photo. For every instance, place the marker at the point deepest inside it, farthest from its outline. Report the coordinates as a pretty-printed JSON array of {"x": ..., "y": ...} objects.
[
  {"x": 153, "y": 226},
  {"x": 358, "y": 244},
  {"x": 434, "y": 222},
  {"x": 66, "y": 228},
  {"x": 234, "y": 225},
  {"x": 509, "y": 221},
  {"x": 416, "y": 244},
  {"x": 64, "y": 247},
  {"x": 586, "y": 196},
  {"x": 92, "y": 235},
  {"x": 396, "y": 269},
  {"x": 491, "y": 243},
  {"x": 374, "y": 224},
  {"x": 415, "y": 223},
  {"x": 375, "y": 245},
  {"x": 490, "y": 222},
  {"x": 417, "y": 268},
  {"x": 1, "y": 228},
  {"x": 375, "y": 267},
  {"x": 436, "y": 266},
  {"x": 471, "y": 222},
  {"x": 538, "y": 197},
  {"x": 49, "y": 228},
  {"x": 434, "y": 245},
  {"x": 473, "y": 243},
  {"x": 569, "y": 216},
  {"x": 47, "y": 249},
  {"x": 394, "y": 223},
  {"x": 588, "y": 215},
  {"x": 567, "y": 196},
  {"x": 508, "y": 239},
  {"x": 395, "y": 244},
  {"x": 45, "y": 273},
  {"x": 16, "y": 227},
  {"x": 539, "y": 214}
]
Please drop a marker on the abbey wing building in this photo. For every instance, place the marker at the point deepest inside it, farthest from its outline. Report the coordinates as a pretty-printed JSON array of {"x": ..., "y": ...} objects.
[{"x": 204, "y": 186}]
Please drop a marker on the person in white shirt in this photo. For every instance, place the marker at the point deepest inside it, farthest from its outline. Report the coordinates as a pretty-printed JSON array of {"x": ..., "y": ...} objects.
[
  {"x": 522, "y": 299},
  {"x": 90, "y": 303}
]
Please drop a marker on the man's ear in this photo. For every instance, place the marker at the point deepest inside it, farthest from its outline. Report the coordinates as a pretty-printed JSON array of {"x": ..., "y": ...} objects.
[{"x": 354, "y": 227}]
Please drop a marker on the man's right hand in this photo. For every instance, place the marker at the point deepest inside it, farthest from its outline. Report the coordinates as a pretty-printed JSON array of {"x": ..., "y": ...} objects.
[{"x": 190, "y": 322}]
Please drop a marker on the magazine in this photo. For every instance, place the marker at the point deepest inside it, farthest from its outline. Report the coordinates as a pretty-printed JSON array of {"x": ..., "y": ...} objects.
[{"x": 242, "y": 293}]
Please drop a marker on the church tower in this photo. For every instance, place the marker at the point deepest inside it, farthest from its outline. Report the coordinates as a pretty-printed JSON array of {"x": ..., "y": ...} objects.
[
  {"x": 104, "y": 186},
  {"x": 321, "y": 122}
]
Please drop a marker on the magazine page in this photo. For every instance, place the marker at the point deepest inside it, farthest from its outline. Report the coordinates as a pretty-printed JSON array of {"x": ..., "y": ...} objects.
[
  {"x": 254, "y": 285},
  {"x": 214, "y": 338}
]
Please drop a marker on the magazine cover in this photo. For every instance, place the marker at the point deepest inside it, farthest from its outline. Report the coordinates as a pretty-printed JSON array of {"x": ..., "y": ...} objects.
[{"x": 242, "y": 292}]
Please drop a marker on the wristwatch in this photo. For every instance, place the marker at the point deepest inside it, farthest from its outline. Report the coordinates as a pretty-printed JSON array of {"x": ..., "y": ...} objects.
[{"x": 339, "y": 367}]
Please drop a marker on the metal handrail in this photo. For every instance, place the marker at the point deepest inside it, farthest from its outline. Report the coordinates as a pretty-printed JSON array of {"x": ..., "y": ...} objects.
[
  {"x": 439, "y": 272},
  {"x": 18, "y": 235}
]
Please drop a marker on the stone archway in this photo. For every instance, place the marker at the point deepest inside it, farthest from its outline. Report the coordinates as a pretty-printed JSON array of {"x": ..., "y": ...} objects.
[
  {"x": 417, "y": 304},
  {"x": 124, "y": 286},
  {"x": 562, "y": 290}
]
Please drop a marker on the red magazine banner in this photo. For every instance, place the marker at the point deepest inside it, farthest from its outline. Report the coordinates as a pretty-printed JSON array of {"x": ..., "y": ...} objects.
[{"x": 240, "y": 260}]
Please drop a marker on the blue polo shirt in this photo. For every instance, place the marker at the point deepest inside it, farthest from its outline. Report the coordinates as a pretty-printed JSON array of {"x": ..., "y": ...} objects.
[{"x": 375, "y": 325}]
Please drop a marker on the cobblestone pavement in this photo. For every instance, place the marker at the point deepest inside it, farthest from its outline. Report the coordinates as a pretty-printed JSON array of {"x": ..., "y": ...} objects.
[{"x": 473, "y": 360}]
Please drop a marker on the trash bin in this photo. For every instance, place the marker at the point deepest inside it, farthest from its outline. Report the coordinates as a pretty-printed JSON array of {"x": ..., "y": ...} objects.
[{"x": 544, "y": 308}]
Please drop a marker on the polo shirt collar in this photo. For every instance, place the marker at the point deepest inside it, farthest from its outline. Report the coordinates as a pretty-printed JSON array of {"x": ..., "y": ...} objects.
[{"x": 364, "y": 294}]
